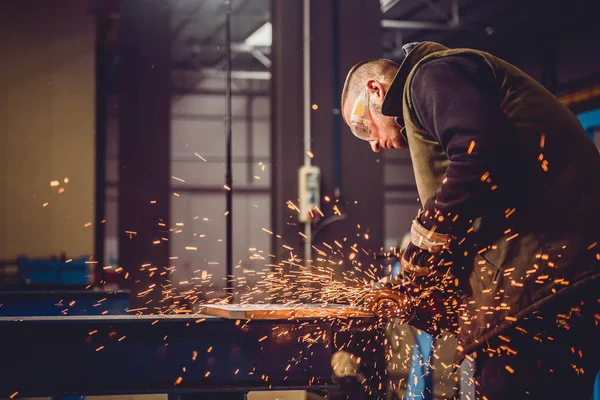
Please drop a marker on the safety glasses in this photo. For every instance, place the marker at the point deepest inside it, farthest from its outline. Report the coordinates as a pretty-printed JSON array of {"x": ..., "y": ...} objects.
[{"x": 359, "y": 124}]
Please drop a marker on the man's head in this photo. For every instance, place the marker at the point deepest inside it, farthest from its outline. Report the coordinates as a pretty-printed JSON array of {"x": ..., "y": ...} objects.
[{"x": 365, "y": 88}]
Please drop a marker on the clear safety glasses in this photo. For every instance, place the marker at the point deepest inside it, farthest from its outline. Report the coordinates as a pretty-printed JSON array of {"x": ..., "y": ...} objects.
[{"x": 359, "y": 124}]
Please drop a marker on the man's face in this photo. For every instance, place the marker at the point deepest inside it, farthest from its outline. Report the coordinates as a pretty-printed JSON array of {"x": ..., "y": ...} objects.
[{"x": 384, "y": 132}]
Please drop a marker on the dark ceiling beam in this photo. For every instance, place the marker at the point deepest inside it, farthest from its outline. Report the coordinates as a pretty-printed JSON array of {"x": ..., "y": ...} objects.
[
  {"x": 437, "y": 9},
  {"x": 221, "y": 27},
  {"x": 480, "y": 31},
  {"x": 451, "y": 20},
  {"x": 491, "y": 31},
  {"x": 411, "y": 28},
  {"x": 464, "y": 11},
  {"x": 411, "y": 14},
  {"x": 186, "y": 20}
]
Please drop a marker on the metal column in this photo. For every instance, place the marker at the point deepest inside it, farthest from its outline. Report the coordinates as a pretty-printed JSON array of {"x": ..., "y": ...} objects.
[
  {"x": 347, "y": 163},
  {"x": 286, "y": 123},
  {"x": 228, "y": 174},
  {"x": 352, "y": 175},
  {"x": 144, "y": 148},
  {"x": 100, "y": 128}
]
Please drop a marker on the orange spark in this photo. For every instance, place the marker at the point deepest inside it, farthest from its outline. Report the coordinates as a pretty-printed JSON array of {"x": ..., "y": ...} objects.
[{"x": 471, "y": 147}]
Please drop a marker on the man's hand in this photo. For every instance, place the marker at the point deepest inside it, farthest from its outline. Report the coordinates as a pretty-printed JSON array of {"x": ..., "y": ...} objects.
[
  {"x": 426, "y": 307},
  {"x": 426, "y": 265},
  {"x": 431, "y": 289},
  {"x": 417, "y": 262},
  {"x": 425, "y": 257},
  {"x": 424, "y": 294}
]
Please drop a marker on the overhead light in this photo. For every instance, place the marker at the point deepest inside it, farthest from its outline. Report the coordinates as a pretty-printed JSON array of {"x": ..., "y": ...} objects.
[{"x": 260, "y": 37}]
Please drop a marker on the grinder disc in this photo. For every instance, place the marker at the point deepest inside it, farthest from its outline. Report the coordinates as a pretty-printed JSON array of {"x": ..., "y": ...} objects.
[{"x": 388, "y": 303}]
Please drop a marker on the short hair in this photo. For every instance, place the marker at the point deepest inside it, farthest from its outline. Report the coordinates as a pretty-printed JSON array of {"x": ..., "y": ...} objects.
[{"x": 365, "y": 70}]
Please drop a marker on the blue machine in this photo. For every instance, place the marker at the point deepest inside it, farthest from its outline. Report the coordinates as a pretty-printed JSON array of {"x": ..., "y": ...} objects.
[
  {"x": 596, "y": 394},
  {"x": 590, "y": 120},
  {"x": 56, "y": 272},
  {"x": 63, "y": 302},
  {"x": 420, "y": 375},
  {"x": 421, "y": 368},
  {"x": 55, "y": 287},
  {"x": 28, "y": 295}
]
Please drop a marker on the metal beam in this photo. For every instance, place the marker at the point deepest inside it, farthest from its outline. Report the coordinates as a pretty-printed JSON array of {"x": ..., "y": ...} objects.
[
  {"x": 209, "y": 117},
  {"x": 235, "y": 10},
  {"x": 229, "y": 289},
  {"x": 220, "y": 190},
  {"x": 185, "y": 21},
  {"x": 451, "y": 24},
  {"x": 387, "y": 5},
  {"x": 455, "y": 13},
  {"x": 235, "y": 48},
  {"x": 259, "y": 52},
  {"x": 425, "y": 25},
  {"x": 260, "y": 56},
  {"x": 144, "y": 113},
  {"x": 436, "y": 9},
  {"x": 159, "y": 354},
  {"x": 252, "y": 75},
  {"x": 191, "y": 91},
  {"x": 250, "y": 117},
  {"x": 101, "y": 81}
]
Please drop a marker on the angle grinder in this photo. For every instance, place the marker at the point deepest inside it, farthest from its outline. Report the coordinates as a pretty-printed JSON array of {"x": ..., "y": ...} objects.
[{"x": 390, "y": 303}]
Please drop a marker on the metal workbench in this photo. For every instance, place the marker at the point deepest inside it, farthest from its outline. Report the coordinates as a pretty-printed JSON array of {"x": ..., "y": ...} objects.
[{"x": 98, "y": 355}]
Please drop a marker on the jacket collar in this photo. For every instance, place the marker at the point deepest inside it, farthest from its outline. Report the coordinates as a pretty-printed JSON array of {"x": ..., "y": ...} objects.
[{"x": 392, "y": 104}]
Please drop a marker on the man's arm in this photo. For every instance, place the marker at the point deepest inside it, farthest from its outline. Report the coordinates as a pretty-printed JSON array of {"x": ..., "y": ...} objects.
[{"x": 457, "y": 102}]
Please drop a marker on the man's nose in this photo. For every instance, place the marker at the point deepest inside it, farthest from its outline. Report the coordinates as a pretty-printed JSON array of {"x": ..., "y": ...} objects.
[{"x": 375, "y": 146}]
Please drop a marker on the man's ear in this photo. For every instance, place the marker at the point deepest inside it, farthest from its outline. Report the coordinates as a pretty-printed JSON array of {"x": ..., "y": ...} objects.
[{"x": 375, "y": 87}]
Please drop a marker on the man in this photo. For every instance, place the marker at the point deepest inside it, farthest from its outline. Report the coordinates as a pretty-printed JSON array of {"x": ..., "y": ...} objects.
[{"x": 510, "y": 188}]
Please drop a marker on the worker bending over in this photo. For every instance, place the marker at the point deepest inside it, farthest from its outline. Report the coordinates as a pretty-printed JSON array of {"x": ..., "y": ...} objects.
[{"x": 507, "y": 238}]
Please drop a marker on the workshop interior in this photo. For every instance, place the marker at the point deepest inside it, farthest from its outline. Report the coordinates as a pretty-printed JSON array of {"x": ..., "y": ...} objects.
[{"x": 185, "y": 213}]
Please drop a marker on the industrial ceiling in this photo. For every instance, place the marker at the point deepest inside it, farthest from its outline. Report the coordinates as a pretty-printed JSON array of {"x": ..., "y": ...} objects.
[{"x": 199, "y": 29}]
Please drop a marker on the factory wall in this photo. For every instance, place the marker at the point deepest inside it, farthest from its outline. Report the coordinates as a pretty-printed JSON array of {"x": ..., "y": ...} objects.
[
  {"x": 197, "y": 238},
  {"x": 198, "y": 204},
  {"x": 46, "y": 128}
]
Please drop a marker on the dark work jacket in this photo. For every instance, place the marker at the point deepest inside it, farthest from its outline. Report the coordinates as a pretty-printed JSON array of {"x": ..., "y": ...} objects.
[{"x": 516, "y": 181}]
